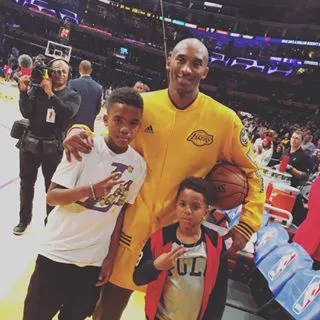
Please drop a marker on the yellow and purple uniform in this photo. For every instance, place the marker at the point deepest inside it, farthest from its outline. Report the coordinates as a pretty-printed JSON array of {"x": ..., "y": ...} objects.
[{"x": 177, "y": 144}]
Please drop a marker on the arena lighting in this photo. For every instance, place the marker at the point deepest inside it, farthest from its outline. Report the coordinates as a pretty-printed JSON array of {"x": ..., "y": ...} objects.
[
  {"x": 219, "y": 57},
  {"x": 43, "y": 7},
  {"x": 246, "y": 64},
  {"x": 178, "y": 22},
  {"x": 190, "y": 25},
  {"x": 301, "y": 43},
  {"x": 74, "y": 17},
  {"x": 244, "y": 36},
  {"x": 165, "y": 19},
  {"x": 213, "y": 5},
  {"x": 222, "y": 32},
  {"x": 276, "y": 69},
  {"x": 287, "y": 61},
  {"x": 311, "y": 63}
]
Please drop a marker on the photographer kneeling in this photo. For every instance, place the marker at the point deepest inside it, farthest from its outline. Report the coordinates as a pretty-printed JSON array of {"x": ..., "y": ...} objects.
[{"x": 49, "y": 107}]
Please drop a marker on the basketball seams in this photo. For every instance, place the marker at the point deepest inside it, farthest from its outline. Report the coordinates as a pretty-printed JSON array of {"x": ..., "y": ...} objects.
[
  {"x": 230, "y": 185},
  {"x": 228, "y": 167}
]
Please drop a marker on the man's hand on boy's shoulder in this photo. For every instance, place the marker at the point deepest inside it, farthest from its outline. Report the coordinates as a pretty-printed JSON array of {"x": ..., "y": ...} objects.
[{"x": 77, "y": 140}]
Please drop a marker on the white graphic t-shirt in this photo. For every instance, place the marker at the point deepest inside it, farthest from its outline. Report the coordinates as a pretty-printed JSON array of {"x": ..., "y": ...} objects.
[{"x": 80, "y": 233}]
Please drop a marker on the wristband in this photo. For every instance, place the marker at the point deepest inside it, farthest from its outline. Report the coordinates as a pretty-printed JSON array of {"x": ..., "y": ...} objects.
[
  {"x": 82, "y": 126},
  {"x": 93, "y": 192}
]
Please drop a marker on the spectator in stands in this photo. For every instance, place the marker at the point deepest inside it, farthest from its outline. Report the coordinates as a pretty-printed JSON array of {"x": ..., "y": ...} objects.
[
  {"x": 299, "y": 164},
  {"x": 91, "y": 95},
  {"x": 315, "y": 174},
  {"x": 315, "y": 157},
  {"x": 139, "y": 87},
  {"x": 276, "y": 156},
  {"x": 308, "y": 145},
  {"x": 7, "y": 72},
  {"x": 258, "y": 143},
  {"x": 264, "y": 152},
  {"x": 285, "y": 142},
  {"x": 146, "y": 88},
  {"x": 107, "y": 94}
]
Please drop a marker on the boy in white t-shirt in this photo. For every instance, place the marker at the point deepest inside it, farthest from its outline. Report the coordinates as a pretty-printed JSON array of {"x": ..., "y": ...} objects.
[{"x": 82, "y": 233}]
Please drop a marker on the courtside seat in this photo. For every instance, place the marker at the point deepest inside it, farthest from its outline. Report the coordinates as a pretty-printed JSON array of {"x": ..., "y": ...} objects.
[
  {"x": 233, "y": 313},
  {"x": 241, "y": 266},
  {"x": 240, "y": 297},
  {"x": 268, "y": 239},
  {"x": 301, "y": 295},
  {"x": 282, "y": 263}
]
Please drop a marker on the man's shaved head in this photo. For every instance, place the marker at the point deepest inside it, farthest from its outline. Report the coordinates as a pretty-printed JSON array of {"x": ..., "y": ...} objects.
[{"x": 192, "y": 42}]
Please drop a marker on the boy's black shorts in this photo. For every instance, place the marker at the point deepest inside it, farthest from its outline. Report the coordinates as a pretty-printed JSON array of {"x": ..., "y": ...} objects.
[{"x": 61, "y": 287}]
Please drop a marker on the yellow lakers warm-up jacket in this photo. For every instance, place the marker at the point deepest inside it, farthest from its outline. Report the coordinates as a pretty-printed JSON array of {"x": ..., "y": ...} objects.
[{"x": 180, "y": 143}]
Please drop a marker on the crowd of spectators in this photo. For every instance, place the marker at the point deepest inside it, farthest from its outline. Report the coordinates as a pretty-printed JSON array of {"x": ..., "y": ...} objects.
[
  {"x": 271, "y": 138},
  {"x": 229, "y": 13},
  {"x": 241, "y": 90}
]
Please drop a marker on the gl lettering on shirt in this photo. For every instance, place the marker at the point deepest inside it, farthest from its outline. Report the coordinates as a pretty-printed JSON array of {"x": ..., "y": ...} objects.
[{"x": 182, "y": 268}]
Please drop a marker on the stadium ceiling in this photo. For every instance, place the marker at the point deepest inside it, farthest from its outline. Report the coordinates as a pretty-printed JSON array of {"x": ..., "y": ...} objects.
[{"x": 289, "y": 3}]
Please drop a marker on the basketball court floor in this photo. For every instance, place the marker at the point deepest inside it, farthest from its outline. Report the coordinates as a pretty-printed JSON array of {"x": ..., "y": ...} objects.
[{"x": 18, "y": 253}]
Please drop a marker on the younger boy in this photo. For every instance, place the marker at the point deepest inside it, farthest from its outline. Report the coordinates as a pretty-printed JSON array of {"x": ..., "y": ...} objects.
[
  {"x": 83, "y": 230},
  {"x": 183, "y": 264}
]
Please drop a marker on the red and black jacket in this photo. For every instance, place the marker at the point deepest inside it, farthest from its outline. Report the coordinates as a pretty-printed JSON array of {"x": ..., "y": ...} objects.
[{"x": 216, "y": 274}]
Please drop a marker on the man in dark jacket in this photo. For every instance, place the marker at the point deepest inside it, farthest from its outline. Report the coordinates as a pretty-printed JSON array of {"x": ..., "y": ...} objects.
[
  {"x": 49, "y": 109},
  {"x": 91, "y": 95}
]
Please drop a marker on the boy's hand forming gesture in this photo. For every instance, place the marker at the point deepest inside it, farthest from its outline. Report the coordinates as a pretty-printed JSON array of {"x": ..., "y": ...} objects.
[
  {"x": 103, "y": 187},
  {"x": 167, "y": 259}
]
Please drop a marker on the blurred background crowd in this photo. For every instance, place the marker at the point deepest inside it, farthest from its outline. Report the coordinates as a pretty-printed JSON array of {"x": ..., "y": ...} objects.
[{"x": 264, "y": 58}]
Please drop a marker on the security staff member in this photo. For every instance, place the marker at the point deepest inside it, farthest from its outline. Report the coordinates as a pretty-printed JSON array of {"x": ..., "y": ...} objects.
[
  {"x": 91, "y": 95},
  {"x": 49, "y": 110}
]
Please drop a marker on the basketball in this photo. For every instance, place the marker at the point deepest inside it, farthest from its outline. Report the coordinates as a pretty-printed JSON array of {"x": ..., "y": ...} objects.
[{"x": 229, "y": 185}]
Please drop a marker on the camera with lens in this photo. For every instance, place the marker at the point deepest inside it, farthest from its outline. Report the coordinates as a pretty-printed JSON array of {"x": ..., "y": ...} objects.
[{"x": 39, "y": 71}]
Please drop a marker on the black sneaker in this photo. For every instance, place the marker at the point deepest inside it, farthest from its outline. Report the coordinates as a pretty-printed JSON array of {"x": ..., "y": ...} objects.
[{"x": 19, "y": 229}]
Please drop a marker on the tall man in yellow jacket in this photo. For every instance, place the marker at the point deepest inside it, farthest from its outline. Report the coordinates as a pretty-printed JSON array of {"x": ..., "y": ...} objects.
[{"x": 183, "y": 133}]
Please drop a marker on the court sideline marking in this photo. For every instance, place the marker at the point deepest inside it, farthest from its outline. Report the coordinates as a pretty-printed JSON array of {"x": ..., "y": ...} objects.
[{"x": 14, "y": 179}]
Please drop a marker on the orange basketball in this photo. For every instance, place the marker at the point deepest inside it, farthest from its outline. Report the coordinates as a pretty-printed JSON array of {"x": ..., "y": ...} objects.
[{"x": 229, "y": 185}]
